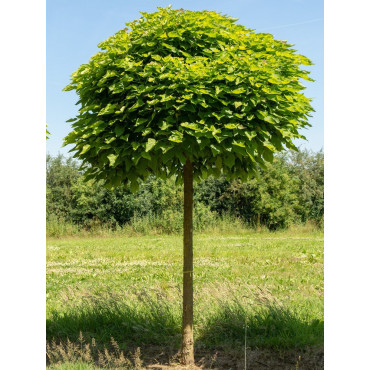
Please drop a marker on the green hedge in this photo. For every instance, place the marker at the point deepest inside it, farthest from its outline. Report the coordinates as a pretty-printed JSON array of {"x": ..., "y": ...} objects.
[{"x": 288, "y": 191}]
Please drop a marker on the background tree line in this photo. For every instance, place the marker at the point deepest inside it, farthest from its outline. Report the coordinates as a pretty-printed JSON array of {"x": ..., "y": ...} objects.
[{"x": 289, "y": 191}]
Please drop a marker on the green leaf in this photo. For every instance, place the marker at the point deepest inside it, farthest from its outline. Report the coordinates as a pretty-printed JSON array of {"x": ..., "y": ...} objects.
[
  {"x": 112, "y": 159},
  {"x": 268, "y": 155},
  {"x": 134, "y": 186},
  {"x": 135, "y": 145},
  {"x": 218, "y": 162},
  {"x": 217, "y": 116},
  {"x": 203, "y": 142},
  {"x": 215, "y": 150},
  {"x": 85, "y": 148},
  {"x": 269, "y": 119},
  {"x": 261, "y": 114},
  {"x": 176, "y": 137},
  {"x": 167, "y": 156},
  {"x": 147, "y": 131},
  {"x": 250, "y": 135},
  {"x": 153, "y": 102},
  {"x": 239, "y": 143},
  {"x": 164, "y": 125},
  {"x": 181, "y": 157},
  {"x": 108, "y": 141},
  {"x": 230, "y": 78},
  {"x": 173, "y": 34},
  {"x": 231, "y": 126},
  {"x": 238, "y": 91},
  {"x": 138, "y": 104},
  {"x": 140, "y": 121},
  {"x": 217, "y": 137},
  {"x": 109, "y": 109},
  {"x": 192, "y": 126},
  {"x": 269, "y": 146},
  {"x": 150, "y": 144},
  {"x": 146, "y": 155},
  {"x": 119, "y": 130},
  {"x": 229, "y": 160}
]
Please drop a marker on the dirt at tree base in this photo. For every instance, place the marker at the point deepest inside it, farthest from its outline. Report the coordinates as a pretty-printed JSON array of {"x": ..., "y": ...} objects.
[
  {"x": 168, "y": 357},
  {"x": 311, "y": 358}
]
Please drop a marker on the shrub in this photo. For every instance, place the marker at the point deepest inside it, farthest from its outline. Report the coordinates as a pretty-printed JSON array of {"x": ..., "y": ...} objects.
[{"x": 290, "y": 190}]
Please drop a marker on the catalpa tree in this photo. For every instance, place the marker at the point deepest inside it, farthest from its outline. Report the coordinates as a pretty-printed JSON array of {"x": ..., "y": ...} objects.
[{"x": 186, "y": 94}]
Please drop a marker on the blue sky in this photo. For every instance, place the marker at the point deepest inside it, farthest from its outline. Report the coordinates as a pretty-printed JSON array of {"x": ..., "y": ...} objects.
[{"x": 75, "y": 27}]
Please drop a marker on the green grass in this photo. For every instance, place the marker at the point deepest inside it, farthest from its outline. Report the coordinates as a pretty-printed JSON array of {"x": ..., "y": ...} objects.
[
  {"x": 129, "y": 288},
  {"x": 73, "y": 366},
  {"x": 170, "y": 222}
]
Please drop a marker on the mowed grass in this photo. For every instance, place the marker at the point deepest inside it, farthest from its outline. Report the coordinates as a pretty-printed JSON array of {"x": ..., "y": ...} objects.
[{"x": 129, "y": 288}]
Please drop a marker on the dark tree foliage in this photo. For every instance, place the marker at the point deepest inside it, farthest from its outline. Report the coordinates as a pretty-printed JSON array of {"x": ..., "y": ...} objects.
[
  {"x": 61, "y": 175},
  {"x": 308, "y": 168},
  {"x": 290, "y": 190},
  {"x": 210, "y": 191},
  {"x": 270, "y": 200}
]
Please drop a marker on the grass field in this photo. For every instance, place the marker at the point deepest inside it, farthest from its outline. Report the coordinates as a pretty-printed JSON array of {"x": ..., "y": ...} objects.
[{"x": 265, "y": 288}]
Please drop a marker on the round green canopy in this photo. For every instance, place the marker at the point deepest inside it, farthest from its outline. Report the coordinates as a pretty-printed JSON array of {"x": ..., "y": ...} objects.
[{"x": 186, "y": 84}]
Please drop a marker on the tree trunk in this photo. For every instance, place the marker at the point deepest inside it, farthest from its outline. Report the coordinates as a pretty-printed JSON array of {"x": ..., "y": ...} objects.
[{"x": 187, "y": 347}]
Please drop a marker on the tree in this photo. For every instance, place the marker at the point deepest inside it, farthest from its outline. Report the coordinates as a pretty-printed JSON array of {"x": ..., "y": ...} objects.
[
  {"x": 190, "y": 94},
  {"x": 61, "y": 175},
  {"x": 308, "y": 168},
  {"x": 271, "y": 200}
]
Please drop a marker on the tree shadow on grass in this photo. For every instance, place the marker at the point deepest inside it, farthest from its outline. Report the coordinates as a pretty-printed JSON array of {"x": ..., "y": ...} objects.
[
  {"x": 267, "y": 326},
  {"x": 270, "y": 336},
  {"x": 145, "y": 321},
  {"x": 154, "y": 325}
]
